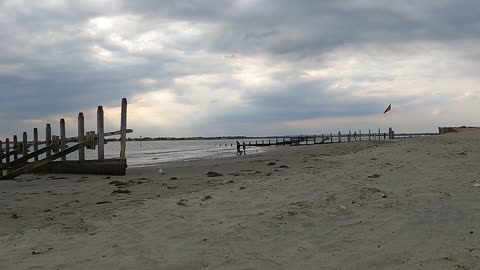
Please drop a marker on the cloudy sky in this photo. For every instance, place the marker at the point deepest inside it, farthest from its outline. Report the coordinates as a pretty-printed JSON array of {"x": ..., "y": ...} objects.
[{"x": 250, "y": 67}]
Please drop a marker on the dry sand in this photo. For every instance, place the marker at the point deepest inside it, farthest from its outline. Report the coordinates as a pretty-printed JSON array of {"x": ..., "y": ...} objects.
[{"x": 404, "y": 204}]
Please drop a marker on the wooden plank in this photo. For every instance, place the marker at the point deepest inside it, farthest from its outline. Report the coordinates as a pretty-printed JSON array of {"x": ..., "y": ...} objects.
[
  {"x": 63, "y": 143},
  {"x": 48, "y": 138},
  {"x": 100, "y": 133},
  {"x": 35, "y": 143},
  {"x": 42, "y": 162},
  {"x": 339, "y": 136},
  {"x": 97, "y": 167},
  {"x": 25, "y": 159},
  {"x": 123, "y": 129},
  {"x": 81, "y": 135}
]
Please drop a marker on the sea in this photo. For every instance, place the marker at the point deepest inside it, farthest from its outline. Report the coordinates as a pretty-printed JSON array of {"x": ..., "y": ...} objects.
[{"x": 145, "y": 153}]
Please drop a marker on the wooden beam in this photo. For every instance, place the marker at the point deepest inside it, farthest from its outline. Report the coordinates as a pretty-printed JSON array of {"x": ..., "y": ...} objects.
[
  {"x": 100, "y": 131},
  {"x": 35, "y": 143},
  {"x": 48, "y": 138},
  {"x": 97, "y": 167},
  {"x": 81, "y": 135},
  {"x": 339, "y": 136},
  {"x": 63, "y": 143},
  {"x": 15, "y": 147},
  {"x": 24, "y": 159},
  {"x": 1, "y": 158},
  {"x": 43, "y": 162},
  {"x": 25, "y": 144},
  {"x": 123, "y": 129},
  {"x": 7, "y": 150}
]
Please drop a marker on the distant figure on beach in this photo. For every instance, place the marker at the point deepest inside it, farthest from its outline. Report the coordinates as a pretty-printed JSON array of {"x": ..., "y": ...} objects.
[
  {"x": 244, "y": 148},
  {"x": 238, "y": 148}
]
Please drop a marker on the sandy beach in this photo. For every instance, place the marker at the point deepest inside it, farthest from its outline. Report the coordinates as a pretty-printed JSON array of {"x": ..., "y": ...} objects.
[{"x": 402, "y": 204}]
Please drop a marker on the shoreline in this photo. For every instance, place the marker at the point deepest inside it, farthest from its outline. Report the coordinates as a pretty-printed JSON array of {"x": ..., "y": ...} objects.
[{"x": 401, "y": 204}]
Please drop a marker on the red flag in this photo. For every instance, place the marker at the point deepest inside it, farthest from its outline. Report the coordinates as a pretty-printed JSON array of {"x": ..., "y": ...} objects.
[{"x": 389, "y": 108}]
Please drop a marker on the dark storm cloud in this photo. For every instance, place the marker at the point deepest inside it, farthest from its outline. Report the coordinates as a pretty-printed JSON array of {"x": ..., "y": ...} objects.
[{"x": 47, "y": 65}]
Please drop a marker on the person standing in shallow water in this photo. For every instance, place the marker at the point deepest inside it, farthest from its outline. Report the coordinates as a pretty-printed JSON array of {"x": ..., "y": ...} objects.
[
  {"x": 238, "y": 148},
  {"x": 244, "y": 148}
]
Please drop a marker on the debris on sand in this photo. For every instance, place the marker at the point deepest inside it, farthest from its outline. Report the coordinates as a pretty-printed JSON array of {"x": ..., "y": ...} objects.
[
  {"x": 182, "y": 202},
  {"x": 271, "y": 164},
  {"x": 15, "y": 216},
  {"x": 174, "y": 178},
  {"x": 283, "y": 166},
  {"x": 104, "y": 202},
  {"x": 117, "y": 183},
  {"x": 374, "y": 176},
  {"x": 118, "y": 191},
  {"x": 213, "y": 174},
  {"x": 128, "y": 183},
  {"x": 162, "y": 172},
  {"x": 208, "y": 197}
]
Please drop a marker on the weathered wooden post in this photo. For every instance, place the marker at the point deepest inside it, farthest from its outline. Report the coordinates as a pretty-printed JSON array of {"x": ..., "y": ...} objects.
[
  {"x": 276, "y": 141},
  {"x": 123, "y": 129},
  {"x": 331, "y": 137},
  {"x": 7, "y": 150},
  {"x": 369, "y": 135},
  {"x": 349, "y": 135},
  {"x": 379, "y": 134},
  {"x": 48, "y": 138},
  {"x": 360, "y": 134},
  {"x": 15, "y": 147},
  {"x": 100, "y": 133},
  {"x": 1, "y": 158},
  {"x": 25, "y": 144},
  {"x": 339, "y": 136},
  {"x": 81, "y": 136},
  {"x": 268, "y": 142},
  {"x": 62, "y": 138},
  {"x": 35, "y": 143}
]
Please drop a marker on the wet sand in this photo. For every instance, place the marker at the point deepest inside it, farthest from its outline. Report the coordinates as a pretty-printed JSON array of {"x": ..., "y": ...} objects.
[{"x": 403, "y": 204}]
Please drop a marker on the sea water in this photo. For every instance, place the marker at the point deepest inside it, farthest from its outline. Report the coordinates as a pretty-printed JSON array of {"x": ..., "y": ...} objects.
[{"x": 144, "y": 153}]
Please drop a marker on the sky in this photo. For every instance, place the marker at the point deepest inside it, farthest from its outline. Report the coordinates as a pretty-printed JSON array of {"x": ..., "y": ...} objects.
[{"x": 239, "y": 67}]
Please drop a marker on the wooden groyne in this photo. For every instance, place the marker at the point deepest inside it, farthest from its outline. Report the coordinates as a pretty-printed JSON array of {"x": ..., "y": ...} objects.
[
  {"x": 333, "y": 138},
  {"x": 15, "y": 158}
]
